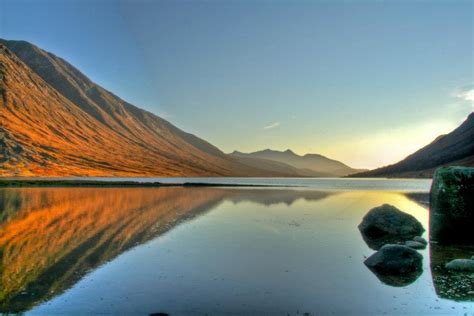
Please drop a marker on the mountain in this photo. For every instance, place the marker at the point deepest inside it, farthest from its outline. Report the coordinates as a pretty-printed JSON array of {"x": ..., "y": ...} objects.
[
  {"x": 307, "y": 165},
  {"x": 54, "y": 121},
  {"x": 274, "y": 166},
  {"x": 455, "y": 149}
]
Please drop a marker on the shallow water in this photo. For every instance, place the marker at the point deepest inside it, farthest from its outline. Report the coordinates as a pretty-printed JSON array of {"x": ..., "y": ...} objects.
[{"x": 182, "y": 251}]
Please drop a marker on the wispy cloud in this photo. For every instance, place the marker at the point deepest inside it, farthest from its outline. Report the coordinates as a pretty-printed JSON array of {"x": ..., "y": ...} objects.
[
  {"x": 466, "y": 93},
  {"x": 273, "y": 125}
]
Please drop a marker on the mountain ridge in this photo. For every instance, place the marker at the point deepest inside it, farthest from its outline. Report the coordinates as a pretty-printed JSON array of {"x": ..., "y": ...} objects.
[
  {"x": 314, "y": 164},
  {"x": 56, "y": 122},
  {"x": 454, "y": 148}
]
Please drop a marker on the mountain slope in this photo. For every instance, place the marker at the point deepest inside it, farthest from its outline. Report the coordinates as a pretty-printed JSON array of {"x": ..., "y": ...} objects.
[
  {"x": 54, "y": 121},
  {"x": 455, "y": 148},
  {"x": 309, "y": 164}
]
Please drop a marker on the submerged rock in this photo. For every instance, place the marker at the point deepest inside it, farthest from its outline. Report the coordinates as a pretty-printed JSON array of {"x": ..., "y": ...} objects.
[
  {"x": 415, "y": 244},
  {"x": 421, "y": 240},
  {"x": 452, "y": 206},
  {"x": 386, "y": 224},
  {"x": 396, "y": 265},
  {"x": 461, "y": 265}
]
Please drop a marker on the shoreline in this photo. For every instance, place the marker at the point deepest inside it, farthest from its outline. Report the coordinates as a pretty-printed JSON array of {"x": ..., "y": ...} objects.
[{"x": 98, "y": 183}]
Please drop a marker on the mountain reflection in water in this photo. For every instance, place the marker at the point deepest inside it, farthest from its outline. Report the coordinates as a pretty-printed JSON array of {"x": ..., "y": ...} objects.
[
  {"x": 49, "y": 238},
  {"x": 70, "y": 251}
]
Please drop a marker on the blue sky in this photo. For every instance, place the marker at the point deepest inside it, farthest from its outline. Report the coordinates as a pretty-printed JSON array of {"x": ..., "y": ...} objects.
[{"x": 366, "y": 82}]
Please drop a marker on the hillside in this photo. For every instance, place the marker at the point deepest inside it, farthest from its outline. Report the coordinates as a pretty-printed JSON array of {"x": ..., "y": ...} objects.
[
  {"x": 455, "y": 149},
  {"x": 57, "y": 122},
  {"x": 307, "y": 165}
]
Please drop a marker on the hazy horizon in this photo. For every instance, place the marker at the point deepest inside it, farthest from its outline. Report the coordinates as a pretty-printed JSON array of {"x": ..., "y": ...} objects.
[{"x": 365, "y": 83}]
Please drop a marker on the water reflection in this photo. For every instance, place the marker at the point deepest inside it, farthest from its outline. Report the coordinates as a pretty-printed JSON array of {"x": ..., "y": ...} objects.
[
  {"x": 397, "y": 280},
  {"x": 49, "y": 238},
  {"x": 248, "y": 251}
]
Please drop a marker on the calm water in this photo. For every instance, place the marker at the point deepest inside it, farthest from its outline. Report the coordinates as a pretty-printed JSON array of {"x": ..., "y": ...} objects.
[
  {"x": 73, "y": 251},
  {"x": 323, "y": 184}
]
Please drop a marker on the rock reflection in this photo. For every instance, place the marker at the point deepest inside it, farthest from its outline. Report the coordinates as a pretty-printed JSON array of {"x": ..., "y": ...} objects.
[
  {"x": 397, "y": 280},
  {"x": 51, "y": 237},
  {"x": 453, "y": 285}
]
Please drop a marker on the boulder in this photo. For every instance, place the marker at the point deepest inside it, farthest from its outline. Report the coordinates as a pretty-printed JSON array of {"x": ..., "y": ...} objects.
[
  {"x": 452, "y": 206},
  {"x": 396, "y": 265},
  {"x": 415, "y": 244},
  {"x": 387, "y": 224},
  {"x": 461, "y": 265}
]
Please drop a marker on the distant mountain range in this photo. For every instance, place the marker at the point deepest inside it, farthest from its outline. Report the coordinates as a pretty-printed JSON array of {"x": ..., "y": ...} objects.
[
  {"x": 309, "y": 165},
  {"x": 54, "y": 121},
  {"x": 454, "y": 149}
]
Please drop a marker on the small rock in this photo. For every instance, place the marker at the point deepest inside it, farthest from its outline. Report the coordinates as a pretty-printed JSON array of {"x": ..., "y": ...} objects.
[
  {"x": 461, "y": 265},
  {"x": 421, "y": 240},
  {"x": 415, "y": 244},
  {"x": 472, "y": 258}
]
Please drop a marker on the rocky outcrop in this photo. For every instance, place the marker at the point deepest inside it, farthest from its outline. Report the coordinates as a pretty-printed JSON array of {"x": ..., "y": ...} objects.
[
  {"x": 452, "y": 206},
  {"x": 387, "y": 224}
]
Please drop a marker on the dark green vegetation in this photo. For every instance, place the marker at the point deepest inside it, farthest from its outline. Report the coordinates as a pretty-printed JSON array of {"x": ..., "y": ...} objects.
[
  {"x": 453, "y": 149},
  {"x": 452, "y": 206}
]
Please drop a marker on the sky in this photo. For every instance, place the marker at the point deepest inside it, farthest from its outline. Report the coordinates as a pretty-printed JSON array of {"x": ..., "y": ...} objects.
[{"x": 364, "y": 82}]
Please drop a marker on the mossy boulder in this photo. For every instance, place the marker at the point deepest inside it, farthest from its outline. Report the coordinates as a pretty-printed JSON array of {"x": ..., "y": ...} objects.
[{"x": 452, "y": 206}]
